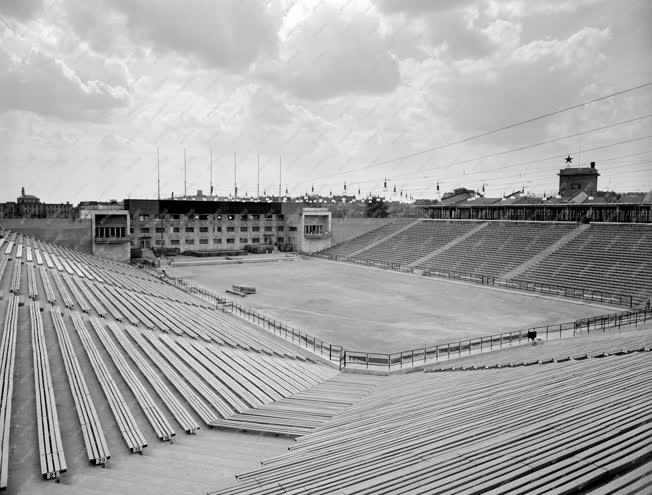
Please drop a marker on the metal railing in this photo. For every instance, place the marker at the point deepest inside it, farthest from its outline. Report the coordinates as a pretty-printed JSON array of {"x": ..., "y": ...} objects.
[
  {"x": 324, "y": 349},
  {"x": 593, "y": 295},
  {"x": 422, "y": 355},
  {"x": 444, "y": 352}
]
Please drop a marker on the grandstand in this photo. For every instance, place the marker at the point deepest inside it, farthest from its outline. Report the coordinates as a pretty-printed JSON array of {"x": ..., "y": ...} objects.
[
  {"x": 108, "y": 360},
  {"x": 608, "y": 258}
]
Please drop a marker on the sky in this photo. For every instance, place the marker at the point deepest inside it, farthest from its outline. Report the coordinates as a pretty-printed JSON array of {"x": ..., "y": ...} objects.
[{"x": 338, "y": 91}]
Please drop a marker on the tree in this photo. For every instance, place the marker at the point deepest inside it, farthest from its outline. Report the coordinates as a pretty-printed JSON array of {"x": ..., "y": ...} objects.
[{"x": 377, "y": 208}]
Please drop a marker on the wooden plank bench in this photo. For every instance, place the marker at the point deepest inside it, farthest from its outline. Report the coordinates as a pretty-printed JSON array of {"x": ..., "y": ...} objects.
[
  {"x": 7, "y": 363},
  {"x": 3, "y": 266},
  {"x": 63, "y": 290},
  {"x": 193, "y": 377},
  {"x": 51, "y": 454},
  {"x": 47, "y": 285},
  {"x": 129, "y": 429},
  {"x": 153, "y": 413},
  {"x": 81, "y": 301},
  {"x": 199, "y": 405},
  {"x": 31, "y": 282},
  {"x": 97, "y": 449},
  {"x": 15, "y": 277},
  {"x": 180, "y": 413}
]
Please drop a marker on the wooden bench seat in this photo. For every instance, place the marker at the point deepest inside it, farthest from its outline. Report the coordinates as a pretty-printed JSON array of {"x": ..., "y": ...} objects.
[
  {"x": 97, "y": 449},
  {"x": 7, "y": 364},
  {"x": 51, "y": 454},
  {"x": 194, "y": 399},
  {"x": 178, "y": 411},
  {"x": 152, "y": 411},
  {"x": 16, "y": 277},
  {"x": 129, "y": 429}
]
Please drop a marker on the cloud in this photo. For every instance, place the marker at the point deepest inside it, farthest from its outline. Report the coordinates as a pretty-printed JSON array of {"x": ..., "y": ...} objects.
[
  {"x": 231, "y": 33},
  {"x": 20, "y": 9},
  {"x": 331, "y": 56},
  {"x": 45, "y": 85},
  {"x": 516, "y": 83},
  {"x": 416, "y": 7}
]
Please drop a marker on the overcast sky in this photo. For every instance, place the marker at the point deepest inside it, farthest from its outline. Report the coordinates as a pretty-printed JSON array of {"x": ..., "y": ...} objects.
[{"x": 90, "y": 88}]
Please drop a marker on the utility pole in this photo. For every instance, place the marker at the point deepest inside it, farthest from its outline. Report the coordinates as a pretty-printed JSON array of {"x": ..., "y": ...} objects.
[
  {"x": 185, "y": 176},
  {"x": 235, "y": 175},
  {"x": 158, "y": 169},
  {"x": 279, "y": 177},
  {"x": 258, "y": 181},
  {"x": 211, "y": 173}
]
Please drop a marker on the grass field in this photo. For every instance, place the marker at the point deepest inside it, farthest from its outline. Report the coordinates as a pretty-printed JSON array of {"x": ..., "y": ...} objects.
[{"x": 380, "y": 311}]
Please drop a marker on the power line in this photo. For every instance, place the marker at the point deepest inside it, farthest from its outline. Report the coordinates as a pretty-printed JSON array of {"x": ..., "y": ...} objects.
[{"x": 494, "y": 131}]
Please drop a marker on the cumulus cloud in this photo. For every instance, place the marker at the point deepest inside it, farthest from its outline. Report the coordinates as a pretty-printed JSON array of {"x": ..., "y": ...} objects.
[
  {"x": 47, "y": 86},
  {"x": 520, "y": 82},
  {"x": 231, "y": 33},
  {"x": 20, "y": 9},
  {"x": 332, "y": 56}
]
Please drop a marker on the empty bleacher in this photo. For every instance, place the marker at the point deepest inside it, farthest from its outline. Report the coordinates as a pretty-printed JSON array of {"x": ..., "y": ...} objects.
[
  {"x": 133, "y": 357},
  {"x": 498, "y": 248},
  {"x": 7, "y": 363},
  {"x": 97, "y": 448},
  {"x": 51, "y": 454},
  {"x": 607, "y": 257},
  {"x": 544, "y": 429},
  {"x": 417, "y": 241},
  {"x": 595, "y": 344},
  {"x": 351, "y": 246}
]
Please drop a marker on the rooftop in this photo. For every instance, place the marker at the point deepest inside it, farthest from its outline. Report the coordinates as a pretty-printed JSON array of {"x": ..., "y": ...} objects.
[{"x": 578, "y": 171}]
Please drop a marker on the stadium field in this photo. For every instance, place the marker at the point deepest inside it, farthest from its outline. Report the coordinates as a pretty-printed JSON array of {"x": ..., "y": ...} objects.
[{"x": 380, "y": 311}]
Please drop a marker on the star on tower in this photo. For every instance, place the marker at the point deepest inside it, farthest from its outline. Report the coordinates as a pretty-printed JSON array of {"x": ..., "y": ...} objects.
[{"x": 569, "y": 159}]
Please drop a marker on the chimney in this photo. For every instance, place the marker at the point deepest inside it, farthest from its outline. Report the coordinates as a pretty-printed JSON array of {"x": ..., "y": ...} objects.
[{"x": 592, "y": 164}]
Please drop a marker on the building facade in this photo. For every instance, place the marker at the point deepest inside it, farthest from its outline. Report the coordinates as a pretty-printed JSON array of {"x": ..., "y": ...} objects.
[
  {"x": 29, "y": 206},
  {"x": 573, "y": 180},
  {"x": 207, "y": 225},
  {"x": 110, "y": 234}
]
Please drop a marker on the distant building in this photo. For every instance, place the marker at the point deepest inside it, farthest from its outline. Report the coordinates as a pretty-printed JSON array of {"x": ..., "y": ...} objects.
[
  {"x": 86, "y": 208},
  {"x": 201, "y": 225},
  {"x": 572, "y": 180},
  {"x": 29, "y": 206},
  {"x": 110, "y": 234}
]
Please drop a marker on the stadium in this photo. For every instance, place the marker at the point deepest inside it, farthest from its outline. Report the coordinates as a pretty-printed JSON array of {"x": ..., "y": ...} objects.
[
  {"x": 400, "y": 359},
  {"x": 325, "y": 247}
]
